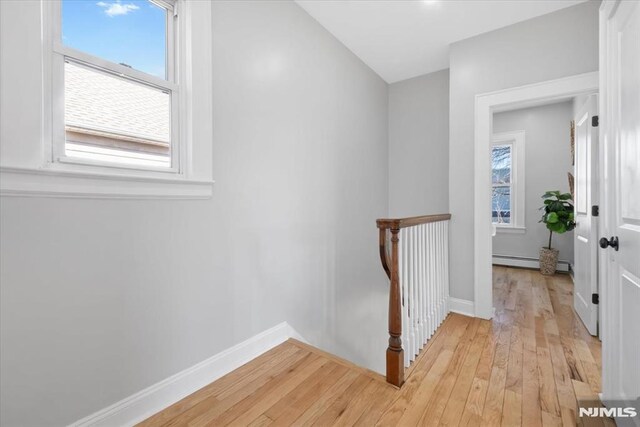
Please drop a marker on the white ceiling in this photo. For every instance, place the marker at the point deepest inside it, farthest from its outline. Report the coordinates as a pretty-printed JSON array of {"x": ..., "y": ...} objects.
[{"x": 401, "y": 39}]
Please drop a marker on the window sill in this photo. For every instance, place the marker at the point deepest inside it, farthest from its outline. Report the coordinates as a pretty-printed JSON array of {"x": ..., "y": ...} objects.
[
  {"x": 27, "y": 182},
  {"x": 510, "y": 230}
]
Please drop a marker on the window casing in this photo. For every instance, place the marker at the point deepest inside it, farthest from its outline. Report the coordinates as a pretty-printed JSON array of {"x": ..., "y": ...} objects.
[
  {"x": 64, "y": 146},
  {"x": 508, "y": 178},
  {"x": 32, "y": 116}
]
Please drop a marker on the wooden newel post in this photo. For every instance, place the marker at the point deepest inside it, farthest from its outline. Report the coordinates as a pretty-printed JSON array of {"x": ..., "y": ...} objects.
[{"x": 395, "y": 353}]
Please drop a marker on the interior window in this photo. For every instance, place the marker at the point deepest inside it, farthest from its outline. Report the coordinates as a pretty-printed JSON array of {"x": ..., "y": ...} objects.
[{"x": 501, "y": 165}]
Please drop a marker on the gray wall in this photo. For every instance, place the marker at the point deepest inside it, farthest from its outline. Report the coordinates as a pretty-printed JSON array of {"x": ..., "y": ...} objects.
[
  {"x": 547, "y": 161},
  {"x": 559, "y": 44},
  {"x": 419, "y": 145},
  {"x": 102, "y": 298}
]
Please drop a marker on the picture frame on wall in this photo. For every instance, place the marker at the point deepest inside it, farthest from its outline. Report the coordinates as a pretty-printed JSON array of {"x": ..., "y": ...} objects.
[
  {"x": 573, "y": 143},
  {"x": 571, "y": 185}
]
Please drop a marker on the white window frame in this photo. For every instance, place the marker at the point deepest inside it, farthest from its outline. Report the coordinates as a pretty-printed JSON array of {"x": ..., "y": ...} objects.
[
  {"x": 35, "y": 166},
  {"x": 516, "y": 140},
  {"x": 60, "y": 53}
]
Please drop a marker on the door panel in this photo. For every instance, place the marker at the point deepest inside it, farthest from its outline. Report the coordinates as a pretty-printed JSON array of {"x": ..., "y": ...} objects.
[
  {"x": 627, "y": 221},
  {"x": 620, "y": 90},
  {"x": 582, "y": 145},
  {"x": 630, "y": 327},
  {"x": 586, "y": 231},
  {"x": 630, "y": 119}
]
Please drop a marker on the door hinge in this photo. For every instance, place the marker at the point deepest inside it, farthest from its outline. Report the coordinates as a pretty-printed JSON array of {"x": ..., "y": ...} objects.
[
  {"x": 595, "y": 121},
  {"x": 595, "y": 210},
  {"x": 595, "y": 298}
]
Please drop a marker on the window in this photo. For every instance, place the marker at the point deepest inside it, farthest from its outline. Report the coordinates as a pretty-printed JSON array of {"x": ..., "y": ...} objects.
[
  {"x": 507, "y": 180},
  {"x": 501, "y": 165},
  {"x": 115, "y": 67},
  {"x": 112, "y": 99}
]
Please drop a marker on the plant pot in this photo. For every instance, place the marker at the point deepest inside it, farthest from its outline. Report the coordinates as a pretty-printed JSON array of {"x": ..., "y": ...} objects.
[{"x": 548, "y": 261}]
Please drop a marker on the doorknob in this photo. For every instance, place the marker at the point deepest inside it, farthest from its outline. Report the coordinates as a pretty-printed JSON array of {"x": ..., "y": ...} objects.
[{"x": 613, "y": 242}]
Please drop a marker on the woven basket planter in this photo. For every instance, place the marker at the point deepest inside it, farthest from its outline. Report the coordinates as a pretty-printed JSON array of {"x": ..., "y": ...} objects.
[{"x": 548, "y": 261}]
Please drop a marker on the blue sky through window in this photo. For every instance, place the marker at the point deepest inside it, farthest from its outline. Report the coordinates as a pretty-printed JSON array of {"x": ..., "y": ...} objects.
[{"x": 132, "y": 32}]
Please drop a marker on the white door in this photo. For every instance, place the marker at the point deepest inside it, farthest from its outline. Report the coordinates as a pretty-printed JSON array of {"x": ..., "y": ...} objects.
[
  {"x": 620, "y": 140},
  {"x": 586, "y": 231}
]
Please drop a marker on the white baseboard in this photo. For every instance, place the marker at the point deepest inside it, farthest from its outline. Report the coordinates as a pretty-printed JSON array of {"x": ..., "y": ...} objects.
[
  {"x": 147, "y": 402},
  {"x": 515, "y": 261},
  {"x": 462, "y": 306}
]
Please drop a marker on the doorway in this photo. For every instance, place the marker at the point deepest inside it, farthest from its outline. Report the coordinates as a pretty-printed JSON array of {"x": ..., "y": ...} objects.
[
  {"x": 549, "y": 149},
  {"x": 586, "y": 199},
  {"x": 531, "y": 126},
  {"x": 486, "y": 105}
]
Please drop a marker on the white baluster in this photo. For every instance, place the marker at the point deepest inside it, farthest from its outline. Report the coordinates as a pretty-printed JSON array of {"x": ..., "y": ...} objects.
[
  {"x": 432, "y": 290},
  {"x": 445, "y": 296},
  {"x": 445, "y": 284},
  {"x": 425, "y": 278},
  {"x": 418, "y": 290},
  {"x": 427, "y": 288},
  {"x": 436, "y": 239},
  {"x": 446, "y": 263},
  {"x": 402, "y": 276},
  {"x": 423, "y": 288},
  {"x": 442, "y": 261},
  {"x": 431, "y": 293},
  {"x": 407, "y": 299},
  {"x": 409, "y": 302},
  {"x": 440, "y": 271},
  {"x": 410, "y": 280},
  {"x": 434, "y": 278},
  {"x": 414, "y": 274}
]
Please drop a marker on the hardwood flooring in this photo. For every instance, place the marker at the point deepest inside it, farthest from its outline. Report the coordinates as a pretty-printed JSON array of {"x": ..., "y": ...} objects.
[{"x": 523, "y": 368}]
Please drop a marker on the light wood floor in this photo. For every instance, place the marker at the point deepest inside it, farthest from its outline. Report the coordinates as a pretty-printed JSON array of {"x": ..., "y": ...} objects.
[{"x": 524, "y": 368}]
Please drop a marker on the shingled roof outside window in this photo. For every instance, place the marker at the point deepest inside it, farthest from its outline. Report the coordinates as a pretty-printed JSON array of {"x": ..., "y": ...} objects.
[{"x": 109, "y": 115}]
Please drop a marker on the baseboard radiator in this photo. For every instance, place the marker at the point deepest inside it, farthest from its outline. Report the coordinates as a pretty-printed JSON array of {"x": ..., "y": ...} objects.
[{"x": 526, "y": 262}]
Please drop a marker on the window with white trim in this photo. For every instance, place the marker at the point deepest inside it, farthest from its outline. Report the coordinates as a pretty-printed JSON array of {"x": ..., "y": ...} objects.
[
  {"x": 507, "y": 180},
  {"x": 78, "y": 140},
  {"x": 114, "y": 66},
  {"x": 502, "y": 185}
]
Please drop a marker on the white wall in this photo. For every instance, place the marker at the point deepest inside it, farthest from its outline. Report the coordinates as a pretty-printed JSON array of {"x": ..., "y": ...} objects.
[
  {"x": 419, "y": 145},
  {"x": 556, "y": 45},
  {"x": 547, "y": 162},
  {"x": 102, "y": 298}
]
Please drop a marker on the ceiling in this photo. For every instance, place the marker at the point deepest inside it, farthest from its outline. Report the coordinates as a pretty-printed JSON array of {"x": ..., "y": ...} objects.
[{"x": 400, "y": 39}]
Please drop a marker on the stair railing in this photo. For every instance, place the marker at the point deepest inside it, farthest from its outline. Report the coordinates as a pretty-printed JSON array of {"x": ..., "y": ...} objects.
[{"x": 415, "y": 255}]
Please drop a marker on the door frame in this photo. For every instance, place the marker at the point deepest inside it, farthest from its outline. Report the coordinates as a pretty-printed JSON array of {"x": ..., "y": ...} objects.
[{"x": 485, "y": 105}]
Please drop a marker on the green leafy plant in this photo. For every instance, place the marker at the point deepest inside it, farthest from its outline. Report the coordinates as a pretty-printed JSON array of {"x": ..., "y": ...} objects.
[{"x": 558, "y": 213}]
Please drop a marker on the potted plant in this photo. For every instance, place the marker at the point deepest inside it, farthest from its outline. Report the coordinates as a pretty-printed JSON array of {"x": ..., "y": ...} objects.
[{"x": 559, "y": 218}]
